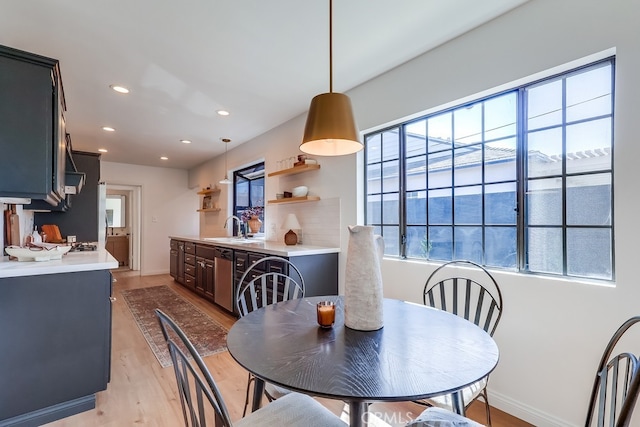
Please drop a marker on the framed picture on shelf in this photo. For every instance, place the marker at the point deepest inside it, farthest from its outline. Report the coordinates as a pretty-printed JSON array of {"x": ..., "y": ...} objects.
[{"x": 206, "y": 202}]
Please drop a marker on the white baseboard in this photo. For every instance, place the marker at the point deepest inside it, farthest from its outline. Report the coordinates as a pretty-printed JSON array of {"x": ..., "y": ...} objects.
[{"x": 525, "y": 412}]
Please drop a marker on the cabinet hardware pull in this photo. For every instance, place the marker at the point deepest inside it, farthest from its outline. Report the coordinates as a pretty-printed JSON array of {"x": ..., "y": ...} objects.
[{"x": 112, "y": 299}]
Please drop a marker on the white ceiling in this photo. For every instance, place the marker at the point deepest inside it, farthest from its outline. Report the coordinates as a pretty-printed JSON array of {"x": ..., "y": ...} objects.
[{"x": 183, "y": 60}]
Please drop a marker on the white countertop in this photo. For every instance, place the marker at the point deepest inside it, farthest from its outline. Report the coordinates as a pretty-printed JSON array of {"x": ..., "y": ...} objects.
[
  {"x": 70, "y": 262},
  {"x": 262, "y": 246}
]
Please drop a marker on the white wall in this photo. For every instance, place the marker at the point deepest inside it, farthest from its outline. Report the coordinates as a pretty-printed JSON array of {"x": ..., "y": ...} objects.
[
  {"x": 553, "y": 331},
  {"x": 168, "y": 208}
]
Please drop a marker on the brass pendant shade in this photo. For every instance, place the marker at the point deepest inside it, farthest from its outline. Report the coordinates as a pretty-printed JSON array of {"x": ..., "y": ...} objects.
[{"x": 330, "y": 129}]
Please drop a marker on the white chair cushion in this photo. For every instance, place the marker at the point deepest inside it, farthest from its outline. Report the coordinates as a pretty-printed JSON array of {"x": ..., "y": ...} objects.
[
  {"x": 292, "y": 410},
  {"x": 274, "y": 391},
  {"x": 438, "y": 417},
  {"x": 468, "y": 395}
]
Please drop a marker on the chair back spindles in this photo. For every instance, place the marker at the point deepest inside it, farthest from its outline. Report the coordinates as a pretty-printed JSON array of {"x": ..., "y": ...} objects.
[
  {"x": 617, "y": 383},
  {"x": 480, "y": 303},
  {"x": 256, "y": 290},
  {"x": 201, "y": 400}
]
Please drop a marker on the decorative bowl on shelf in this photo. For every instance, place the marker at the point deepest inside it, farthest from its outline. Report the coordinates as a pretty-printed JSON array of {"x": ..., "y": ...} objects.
[
  {"x": 300, "y": 191},
  {"x": 37, "y": 253}
]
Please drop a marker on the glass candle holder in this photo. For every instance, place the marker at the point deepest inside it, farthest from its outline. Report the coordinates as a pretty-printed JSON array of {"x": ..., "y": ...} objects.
[{"x": 326, "y": 314}]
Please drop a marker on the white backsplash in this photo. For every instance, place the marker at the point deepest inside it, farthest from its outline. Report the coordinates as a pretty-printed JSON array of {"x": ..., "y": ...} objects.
[{"x": 320, "y": 221}]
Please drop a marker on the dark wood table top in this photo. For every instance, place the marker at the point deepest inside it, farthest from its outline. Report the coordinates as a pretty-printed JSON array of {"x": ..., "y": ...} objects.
[{"x": 420, "y": 352}]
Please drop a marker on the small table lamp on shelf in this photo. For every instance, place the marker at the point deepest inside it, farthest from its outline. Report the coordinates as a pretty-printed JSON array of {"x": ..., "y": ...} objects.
[{"x": 291, "y": 223}]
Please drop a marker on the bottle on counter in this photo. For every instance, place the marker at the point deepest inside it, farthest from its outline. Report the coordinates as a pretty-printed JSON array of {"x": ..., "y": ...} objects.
[{"x": 36, "y": 237}]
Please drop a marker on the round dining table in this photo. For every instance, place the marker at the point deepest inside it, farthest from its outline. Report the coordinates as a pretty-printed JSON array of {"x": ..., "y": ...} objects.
[{"x": 420, "y": 352}]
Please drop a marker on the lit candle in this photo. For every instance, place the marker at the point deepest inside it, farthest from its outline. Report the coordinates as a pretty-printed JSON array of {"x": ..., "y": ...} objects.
[{"x": 326, "y": 313}]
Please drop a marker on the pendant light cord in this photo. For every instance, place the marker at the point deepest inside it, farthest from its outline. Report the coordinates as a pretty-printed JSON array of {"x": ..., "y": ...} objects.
[{"x": 330, "y": 46}]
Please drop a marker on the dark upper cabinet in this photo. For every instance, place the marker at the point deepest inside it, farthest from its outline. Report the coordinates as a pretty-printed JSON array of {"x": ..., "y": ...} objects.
[{"x": 32, "y": 127}]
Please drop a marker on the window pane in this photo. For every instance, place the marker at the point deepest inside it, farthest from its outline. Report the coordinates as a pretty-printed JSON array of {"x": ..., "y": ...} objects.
[
  {"x": 416, "y": 171},
  {"x": 440, "y": 207},
  {"x": 391, "y": 177},
  {"x": 468, "y": 165},
  {"x": 588, "y": 145},
  {"x": 589, "y": 93},
  {"x": 440, "y": 170},
  {"x": 589, "y": 199},
  {"x": 439, "y": 128},
  {"x": 500, "y": 116},
  {"x": 500, "y": 246},
  {"x": 391, "y": 241},
  {"x": 417, "y": 242},
  {"x": 467, "y": 124},
  {"x": 390, "y": 206},
  {"x": 500, "y": 160},
  {"x": 468, "y": 243},
  {"x": 500, "y": 204},
  {"x": 373, "y": 146},
  {"x": 374, "y": 183},
  {"x": 415, "y": 136},
  {"x": 544, "y": 250},
  {"x": 544, "y": 105},
  {"x": 242, "y": 193},
  {"x": 441, "y": 239},
  {"x": 257, "y": 192},
  {"x": 589, "y": 253},
  {"x": 390, "y": 145},
  {"x": 416, "y": 207},
  {"x": 467, "y": 204},
  {"x": 545, "y": 153},
  {"x": 374, "y": 209},
  {"x": 544, "y": 202}
]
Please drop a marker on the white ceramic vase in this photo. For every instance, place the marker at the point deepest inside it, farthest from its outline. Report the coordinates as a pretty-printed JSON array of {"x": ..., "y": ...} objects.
[{"x": 363, "y": 299}]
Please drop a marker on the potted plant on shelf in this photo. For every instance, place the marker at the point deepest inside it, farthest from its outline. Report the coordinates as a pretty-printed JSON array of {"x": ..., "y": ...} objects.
[{"x": 251, "y": 216}]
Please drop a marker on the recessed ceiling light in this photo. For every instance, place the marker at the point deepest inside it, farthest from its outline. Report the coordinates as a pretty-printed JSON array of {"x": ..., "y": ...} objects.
[
  {"x": 222, "y": 112},
  {"x": 119, "y": 89},
  {"x": 102, "y": 150},
  {"x": 185, "y": 141},
  {"x": 164, "y": 158},
  {"x": 108, "y": 129}
]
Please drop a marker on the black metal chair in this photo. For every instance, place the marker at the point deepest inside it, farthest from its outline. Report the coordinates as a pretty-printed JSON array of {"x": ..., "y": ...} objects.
[
  {"x": 613, "y": 398},
  {"x": 202, "y": 403},
  {"x": 269, "y": 280},
  {"x": 616, "y": 385},
  {"x": 471, "y": 293}
]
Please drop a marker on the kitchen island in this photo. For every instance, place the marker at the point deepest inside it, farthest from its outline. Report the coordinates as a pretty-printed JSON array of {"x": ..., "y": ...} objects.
[
  {"x": 212, "y": 266},
  {"x": 55, "y": 324}
]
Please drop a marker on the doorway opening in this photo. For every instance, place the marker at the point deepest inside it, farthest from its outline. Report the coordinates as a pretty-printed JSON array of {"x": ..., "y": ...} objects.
[{"x": 124, "y": 201}]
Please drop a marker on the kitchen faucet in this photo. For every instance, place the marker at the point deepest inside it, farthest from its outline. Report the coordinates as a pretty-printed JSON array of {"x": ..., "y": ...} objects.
[{"x": 232, "y": 217}]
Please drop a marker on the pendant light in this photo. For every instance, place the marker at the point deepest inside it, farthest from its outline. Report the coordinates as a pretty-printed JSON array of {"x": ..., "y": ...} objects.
[
  {"x": 226, "y": 180},
  {"x": 330, "y": 129}
]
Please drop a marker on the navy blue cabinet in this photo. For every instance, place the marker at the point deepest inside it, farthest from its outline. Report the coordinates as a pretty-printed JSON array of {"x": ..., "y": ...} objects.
[
  {"x": 56, "y": 351},
  {"x": 32, "y": 127}
]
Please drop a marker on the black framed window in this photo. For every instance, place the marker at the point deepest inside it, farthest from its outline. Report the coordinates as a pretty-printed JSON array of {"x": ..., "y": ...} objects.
[
  {"x": 248, "y": 191},
  {"x": 521, "y": 180}
]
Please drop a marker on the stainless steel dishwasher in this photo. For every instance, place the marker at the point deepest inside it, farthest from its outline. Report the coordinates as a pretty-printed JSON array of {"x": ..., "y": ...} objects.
[{"x": 223, "y": 273}]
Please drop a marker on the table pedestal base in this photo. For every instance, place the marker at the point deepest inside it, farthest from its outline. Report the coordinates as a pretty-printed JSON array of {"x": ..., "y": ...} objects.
[{"x": 358, "y": 416}]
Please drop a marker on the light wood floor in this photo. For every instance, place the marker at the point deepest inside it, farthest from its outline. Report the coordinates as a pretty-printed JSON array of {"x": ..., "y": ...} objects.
[{"x": 142, "y": 393}]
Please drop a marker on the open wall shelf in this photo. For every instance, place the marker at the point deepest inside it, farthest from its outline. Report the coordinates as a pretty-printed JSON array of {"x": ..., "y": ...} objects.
[
  {"x": 295, "y": 200},
  {"x": 294, "y": 170}
]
